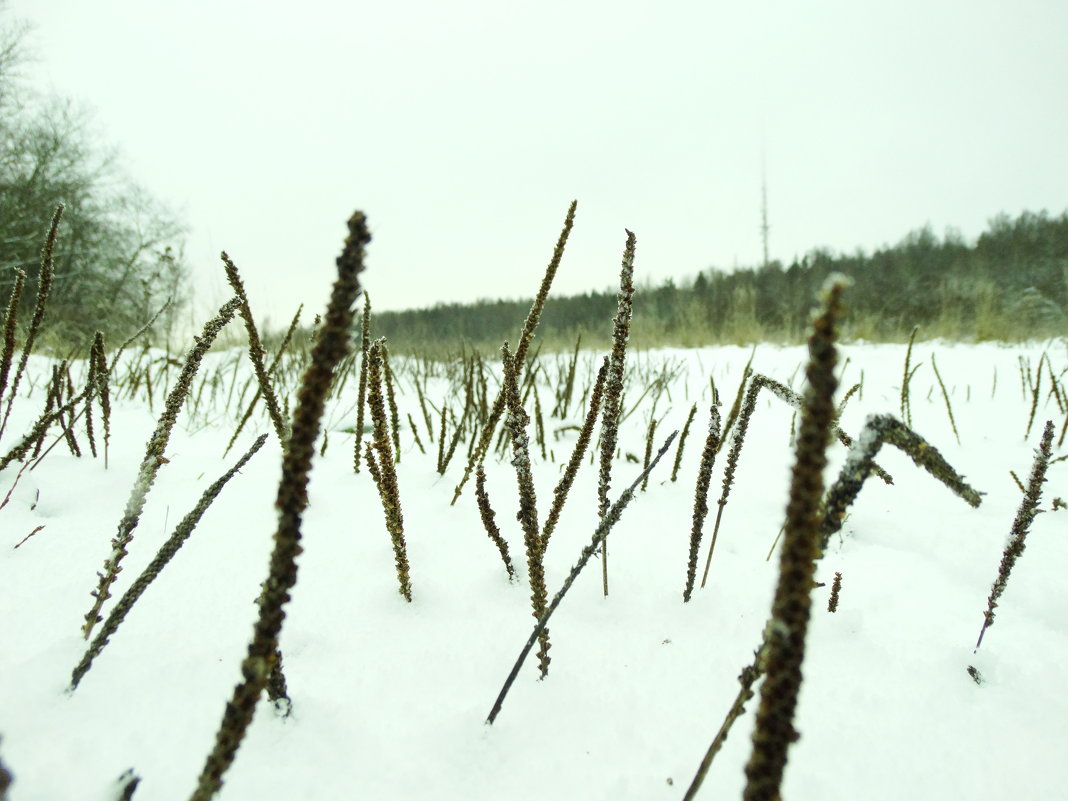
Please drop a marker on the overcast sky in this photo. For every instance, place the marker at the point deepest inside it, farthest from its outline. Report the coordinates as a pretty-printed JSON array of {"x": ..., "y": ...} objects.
[{"x": 463, "y": 129}]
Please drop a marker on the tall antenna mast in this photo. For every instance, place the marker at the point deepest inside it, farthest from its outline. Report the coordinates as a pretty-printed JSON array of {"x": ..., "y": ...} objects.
[{"x": 764, "y": 227}]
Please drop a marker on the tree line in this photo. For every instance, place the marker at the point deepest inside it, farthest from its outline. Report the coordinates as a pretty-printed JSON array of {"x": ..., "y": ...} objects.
[{"x": 1010, "y": 284}]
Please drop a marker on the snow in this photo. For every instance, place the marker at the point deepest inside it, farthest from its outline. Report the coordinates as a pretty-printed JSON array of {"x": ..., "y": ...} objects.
[{"x": 390, "y": 698}]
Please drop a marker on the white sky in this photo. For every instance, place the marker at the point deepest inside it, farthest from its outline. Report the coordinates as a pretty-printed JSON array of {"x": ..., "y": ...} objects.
[{"x": 464, "y": 129}]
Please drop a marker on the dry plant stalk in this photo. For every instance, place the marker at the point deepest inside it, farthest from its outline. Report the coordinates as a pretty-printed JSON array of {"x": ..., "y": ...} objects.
[
  {"x": 945, "y": 397},
  {"x": 613, "y": 391},
  {"x": 146, "y": 475},
  {"x": 575, "y": 462},
  {"x": 1025, "y": 515},
  {"x": 747, "y": 678},
  {"x": 330, "y": 348},
  {"x": 788, "y": 626},
  {"x": 732, "y": 415},
  {"x": 44, "y": 286},
  {"x": 531, "y": 324},
  {"x": 6, "y": 780},
  {"x": 836, "y": 588},
  {"x": 166, "y": 553},
  {"x": 255, "y": 350},
  {"x": 488, "y": 516},
  {"x": 748, "y": 406},
  {"x": 382, "y": 467},
  {"x": 858, "y": 466},
  {"x": 682, "y": 443},
  {"x": 602, "y": 531},
  {"x": 394, "y": 417},
  {"x": 11, "y": 327},
  {"x": 1036, "y": 389},
  {"x": 906, "y": 404},
  {"x": 96, "y": 363},
  {"x": 516, "y": 422},
  {"x": 700, "y": 500},
  {"x": 278, "y": 354},
  {"x": 40, "y": 428}
]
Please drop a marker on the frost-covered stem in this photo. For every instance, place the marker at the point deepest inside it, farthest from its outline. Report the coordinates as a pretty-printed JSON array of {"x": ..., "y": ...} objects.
[
  {"x": 613, "y": 392},
  {"x": 575, "y": 462},
  {"x": 516, "y": 422},
  {"x": 790, "y": 608},
  {"x": 858, "y": 466},
  {"x": 361, "y": 393},
  {"x": 157, "y": 445},
  {"x": 255, "y": 350},
  {"x": 167, "y": 552},
  {"x": 331, "y": 345},
  {"x": 700, "y": 499},
  {"x": 601, "y": 532},
  {"x": 1025, "y": 515},
  {"x": 531, "y": 324}
]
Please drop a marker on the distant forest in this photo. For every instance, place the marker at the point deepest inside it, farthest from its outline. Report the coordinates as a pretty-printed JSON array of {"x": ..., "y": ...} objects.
[{"x": 1012, "y": 284}]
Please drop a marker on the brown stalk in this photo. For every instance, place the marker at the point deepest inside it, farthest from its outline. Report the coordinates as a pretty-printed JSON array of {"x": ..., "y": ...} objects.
[{"x": 330, "y": 348}]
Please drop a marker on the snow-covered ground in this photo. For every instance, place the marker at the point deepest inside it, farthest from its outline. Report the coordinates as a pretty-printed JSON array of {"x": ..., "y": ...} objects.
[{"x": 390, "y": 698}]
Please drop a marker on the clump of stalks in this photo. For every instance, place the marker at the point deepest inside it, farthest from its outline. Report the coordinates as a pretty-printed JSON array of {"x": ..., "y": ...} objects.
[
  {"x": 1036, "y": 390},
  {"x": 613, "y": 392},
  {"x": 40, "y": 428},
  {"x": 858, "y": 466},
  {"x": 527, "y": 334},
  {"x": 700, "y": 501},
  {"x": 166, "y": 553},
  {"x": 788, "y": 626},
  {"x": 488, "y": 516},
  {"x": 748, "y": 406},
  {"x": 517, "y": 421},
  {"x": 682, "y": 443},
  {"x": 44, "y": 286},
  {"x": 602, "y": 531},
  {"x": 98, "y": 374},
  {"x": 575, "y": 462},
  {"x": 153, "y": 459},
  {"x": 382, "y": 467},
  {"x": 272, "y": 371},
  {"x": 732, "y": 415},
  {"x": 1025, "y": 515},
  {"x": 255, "y": 350},
  {"x": 330, "y": 348}
]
